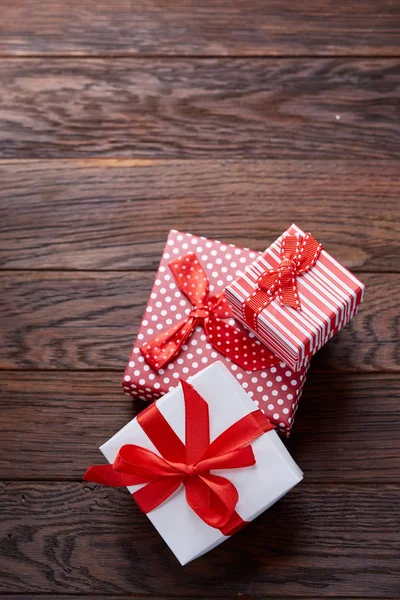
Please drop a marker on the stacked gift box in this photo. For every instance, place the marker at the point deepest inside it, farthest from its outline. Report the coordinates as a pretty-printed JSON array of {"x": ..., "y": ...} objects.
[
  {"x": 221, "y": 356},
  {"x": 325, "y": 298},
  {"x": 276, "y": 389}
]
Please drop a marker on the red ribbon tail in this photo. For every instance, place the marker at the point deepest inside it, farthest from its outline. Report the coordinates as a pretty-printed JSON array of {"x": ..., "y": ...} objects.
[
  {"x": 220, "y": 305},
  {"x": 161, "y": 349},
  {"x": 106, "y": 475},
  {"x": 234, "y": 525},
  {"x": 236, "y": 344},
  {"x": 213, "y": 498},
  {"x": 287, "y": 291},
  {"x": 156, "y": 492}
]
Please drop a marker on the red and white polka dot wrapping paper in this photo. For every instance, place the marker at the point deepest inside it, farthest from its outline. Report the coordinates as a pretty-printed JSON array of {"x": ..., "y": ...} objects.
[{"x": 276, "y": 390}]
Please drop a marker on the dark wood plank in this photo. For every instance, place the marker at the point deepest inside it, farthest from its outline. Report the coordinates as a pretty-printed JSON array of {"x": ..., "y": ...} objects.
[
  {"x": 87, "y": 320},
  {"x": 347, "y": 428},
  {"x": 252, "y": 27},
  {"x": 116, "y": 214},
  {"x": 51, "y": 425},
  {"x": 269, "y": 108},
  {"x": 100, "y": 596},
  {"x": 78, "y": 538},
  {"x": 39, "y": 596},
  {"x": 70, "y": 320}
]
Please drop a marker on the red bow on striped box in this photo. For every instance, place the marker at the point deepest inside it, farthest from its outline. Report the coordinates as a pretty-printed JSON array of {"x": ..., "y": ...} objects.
[
  {"x": 295, "y": 297},
  {"x": 298, "y": 255}
]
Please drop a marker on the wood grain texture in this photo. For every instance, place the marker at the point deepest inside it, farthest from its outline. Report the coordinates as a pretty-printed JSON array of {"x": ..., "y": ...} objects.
[
  {"x": 346, "y": 429},
  {"x": 100, "y": 596},
  {"x": 83, "y": 538},
  {"x": 119, "y": 121},
  {"x": 88, "y": 320},
  {"x": 252, "y": 27},
  {"x": 115, "y": 214},
  {"x": 185, "y": 108},
  {"x": 137, "y": 597}
]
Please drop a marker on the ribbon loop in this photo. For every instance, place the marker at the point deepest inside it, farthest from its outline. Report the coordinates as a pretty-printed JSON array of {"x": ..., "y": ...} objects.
[
  {"x": 298, "y": 255},
  {"x": 209, "y": 311},
  {"x": 212, "y": 497}
]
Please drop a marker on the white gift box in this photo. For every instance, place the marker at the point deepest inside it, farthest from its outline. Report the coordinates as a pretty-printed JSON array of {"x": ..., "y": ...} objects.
[{"x": 259, "y": 486}]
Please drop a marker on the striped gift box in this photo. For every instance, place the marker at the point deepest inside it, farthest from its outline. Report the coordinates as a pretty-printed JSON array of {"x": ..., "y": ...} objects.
[{"x": 329, "y": 297}]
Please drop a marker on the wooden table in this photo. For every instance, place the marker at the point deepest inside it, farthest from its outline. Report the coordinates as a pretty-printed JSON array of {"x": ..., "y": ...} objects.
[{"x": 118, "y": 121}]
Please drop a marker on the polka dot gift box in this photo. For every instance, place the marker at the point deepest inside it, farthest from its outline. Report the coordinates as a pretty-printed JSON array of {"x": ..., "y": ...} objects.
[
  {"x": 295, "y": 297},
  {"x": 178, "y": 336}
]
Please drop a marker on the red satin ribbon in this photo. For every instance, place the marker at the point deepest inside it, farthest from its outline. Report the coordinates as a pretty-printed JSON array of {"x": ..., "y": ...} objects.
[
  {"x": 299, "y": 255},
  {"x": 212, "y": 497},
  {"x": 208, "y": 311}
]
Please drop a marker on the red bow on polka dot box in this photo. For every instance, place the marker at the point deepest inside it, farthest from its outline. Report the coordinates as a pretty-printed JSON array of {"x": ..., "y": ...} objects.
[
  {"x": 295, "y": 297},
  {"x": 188, "y": 327}
]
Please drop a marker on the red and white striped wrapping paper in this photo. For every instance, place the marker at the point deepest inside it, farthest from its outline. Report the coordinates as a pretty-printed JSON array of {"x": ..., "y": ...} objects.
[
  {"x": 329, "y": 295},
  {"x": 276, "y": 390}
]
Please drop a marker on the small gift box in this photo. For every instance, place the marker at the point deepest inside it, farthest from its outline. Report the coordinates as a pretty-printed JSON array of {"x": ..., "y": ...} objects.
[
  {"x": 295, "y": 297},
  {"x": 188, "y": 325},
  {"x": 201, "y": 462}
]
